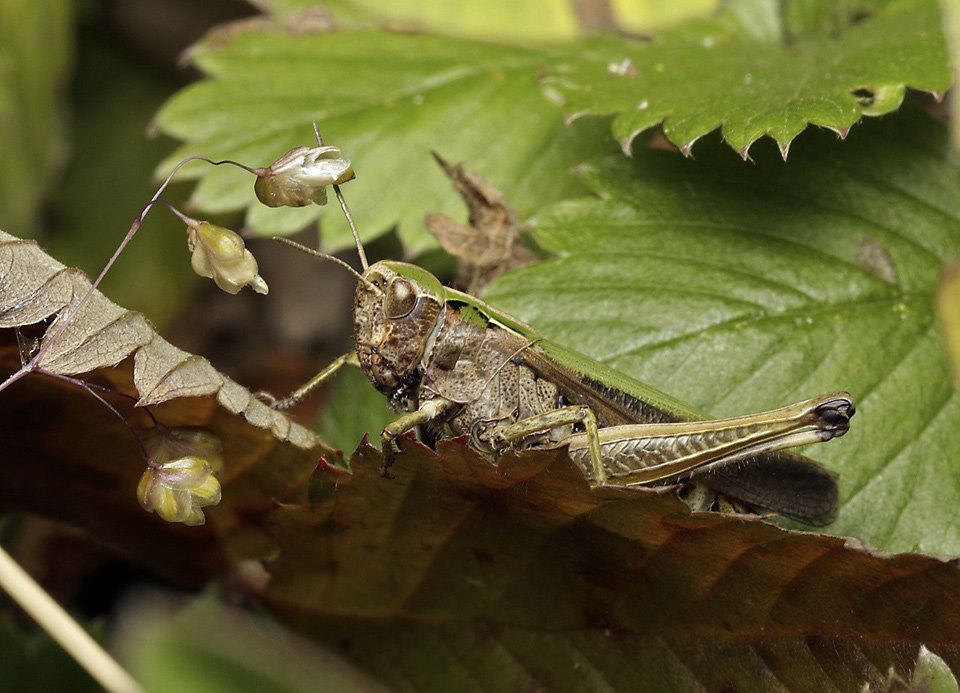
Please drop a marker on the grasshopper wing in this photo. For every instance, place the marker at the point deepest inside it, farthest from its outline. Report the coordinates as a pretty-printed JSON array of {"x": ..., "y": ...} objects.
[{"x": 786, "y": 483}]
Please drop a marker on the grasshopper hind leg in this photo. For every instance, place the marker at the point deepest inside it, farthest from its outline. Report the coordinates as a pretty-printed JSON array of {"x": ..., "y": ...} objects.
[{"x": 783, "y": 482}]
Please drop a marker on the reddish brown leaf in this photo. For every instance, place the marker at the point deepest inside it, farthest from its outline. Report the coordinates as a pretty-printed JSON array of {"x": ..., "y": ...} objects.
[
  {"x": 461, "y": 575},
  {"x": 65, "y": 456}
]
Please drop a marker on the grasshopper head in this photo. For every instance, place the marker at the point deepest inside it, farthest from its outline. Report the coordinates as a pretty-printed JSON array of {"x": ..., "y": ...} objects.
[{"x": 395, "y": 315}]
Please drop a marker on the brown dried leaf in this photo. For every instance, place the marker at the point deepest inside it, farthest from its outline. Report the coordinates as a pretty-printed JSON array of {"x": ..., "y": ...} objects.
[
  {"x": 459, "y": 575},
  {"x": 64, "y": 456},
  {"x": 35, "y": 287},
  {"x": 490, "y": 245}
]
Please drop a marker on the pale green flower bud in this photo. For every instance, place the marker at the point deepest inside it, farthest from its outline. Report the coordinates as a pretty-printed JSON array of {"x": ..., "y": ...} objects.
[
  {"x": 300, "y": 177},
  {"x": 220, "y": 254},
  {"x": 178, "y": 489}
]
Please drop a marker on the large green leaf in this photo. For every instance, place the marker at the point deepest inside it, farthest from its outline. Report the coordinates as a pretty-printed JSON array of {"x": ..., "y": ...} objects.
[
  {"x": 740, "y": 287},
  {"x": 387, "y": 100},
  {"x": 754, "y": 72}
]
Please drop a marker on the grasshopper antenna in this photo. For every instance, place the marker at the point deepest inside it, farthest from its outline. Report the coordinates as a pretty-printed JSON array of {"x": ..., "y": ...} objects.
[
  {"x": 346, "y": 212},
  {"x": 324, "y": 256}
]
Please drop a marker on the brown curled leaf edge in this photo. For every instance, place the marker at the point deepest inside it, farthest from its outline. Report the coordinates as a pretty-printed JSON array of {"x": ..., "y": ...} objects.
[{"x": 34, "y": 287}]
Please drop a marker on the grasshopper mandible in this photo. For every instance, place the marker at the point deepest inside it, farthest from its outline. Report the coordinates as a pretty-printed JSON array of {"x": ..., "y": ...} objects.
[{"x": 449, "y": 361}]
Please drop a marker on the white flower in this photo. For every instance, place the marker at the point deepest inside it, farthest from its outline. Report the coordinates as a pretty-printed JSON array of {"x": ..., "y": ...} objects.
[
  {"x": 300, "y": 177},
  {"x": 184, "y": 471},
  {"x": 221, "y": 254},
  {"x": 178, "y": 489}
]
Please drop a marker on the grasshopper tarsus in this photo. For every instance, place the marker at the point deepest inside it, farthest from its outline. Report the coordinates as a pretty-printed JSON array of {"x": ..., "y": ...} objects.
[
  {"x": 274, "y": 403},
  {"x": 834, "y": 415},
  {"x": 387, "y": 447},
  {"x": 387, "y": 460}
]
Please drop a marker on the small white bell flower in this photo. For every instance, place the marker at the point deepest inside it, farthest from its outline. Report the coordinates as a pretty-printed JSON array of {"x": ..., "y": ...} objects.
[
  {"x": 178, "y": 489},
  {"x": 221, "y": 254},
  {"x": 301, "y": 176},
  {"x": 183, "y": 476}
]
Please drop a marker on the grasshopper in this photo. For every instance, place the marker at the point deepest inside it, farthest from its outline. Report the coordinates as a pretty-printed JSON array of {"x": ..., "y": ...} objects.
[{"x": 448, "y": 361}]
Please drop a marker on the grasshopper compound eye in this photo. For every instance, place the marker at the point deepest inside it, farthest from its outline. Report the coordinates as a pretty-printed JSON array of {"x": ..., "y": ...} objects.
[{"x": 400, "y": 299}]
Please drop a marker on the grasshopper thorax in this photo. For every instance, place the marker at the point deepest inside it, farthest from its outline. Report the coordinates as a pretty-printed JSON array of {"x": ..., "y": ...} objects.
[{"x": 396, "y": 317}]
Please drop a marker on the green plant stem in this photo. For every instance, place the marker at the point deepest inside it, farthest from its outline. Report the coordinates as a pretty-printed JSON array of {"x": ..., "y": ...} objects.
[{"x": 63, "y": 628}]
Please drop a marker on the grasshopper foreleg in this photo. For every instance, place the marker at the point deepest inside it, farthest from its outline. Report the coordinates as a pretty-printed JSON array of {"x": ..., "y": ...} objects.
[
  {"x": 316, "y": 381},
  {"x": 428, "y": 411},
  {"x": 563, "y": 416}
]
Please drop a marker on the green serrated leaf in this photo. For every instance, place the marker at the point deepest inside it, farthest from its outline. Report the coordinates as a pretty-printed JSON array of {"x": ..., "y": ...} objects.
[
  {"x": 826, "y": 68},
  {"x": 387, "y": 100},
  {"x": 741, "y": 287}
]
